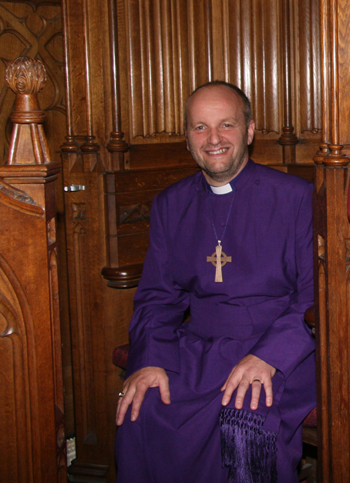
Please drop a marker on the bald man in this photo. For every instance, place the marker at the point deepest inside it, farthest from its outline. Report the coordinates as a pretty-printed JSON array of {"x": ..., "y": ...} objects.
[{"x": 221, "y": 397}]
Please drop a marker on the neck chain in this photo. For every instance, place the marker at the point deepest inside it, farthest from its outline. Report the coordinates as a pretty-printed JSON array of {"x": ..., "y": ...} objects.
[{"x": 219, "y": 258}]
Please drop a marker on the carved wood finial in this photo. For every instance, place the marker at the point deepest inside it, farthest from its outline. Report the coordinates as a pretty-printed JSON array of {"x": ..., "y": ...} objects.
[{"x": 26, "y": 77}]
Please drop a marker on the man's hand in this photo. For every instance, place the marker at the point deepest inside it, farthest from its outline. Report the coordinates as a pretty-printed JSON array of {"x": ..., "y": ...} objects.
[
  {"x": 135, "y": 388},
  {"x": 250, "y": 370}
]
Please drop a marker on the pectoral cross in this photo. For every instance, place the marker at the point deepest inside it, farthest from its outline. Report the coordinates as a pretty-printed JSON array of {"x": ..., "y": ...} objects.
[{"x": 219, "y": 259}]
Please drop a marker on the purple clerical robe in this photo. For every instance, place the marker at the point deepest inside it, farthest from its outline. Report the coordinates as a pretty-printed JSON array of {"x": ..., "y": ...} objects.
[{"x": 265, "y": 226}]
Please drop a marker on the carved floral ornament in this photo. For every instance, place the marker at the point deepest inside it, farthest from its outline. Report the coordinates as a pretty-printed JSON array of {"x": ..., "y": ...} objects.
[{"x": 26, "y": 75}]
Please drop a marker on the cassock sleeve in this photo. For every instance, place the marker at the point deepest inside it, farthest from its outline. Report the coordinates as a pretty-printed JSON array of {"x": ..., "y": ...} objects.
[
  {"x": 288, "y": 340},
  {"x": 159, "y": 305}
]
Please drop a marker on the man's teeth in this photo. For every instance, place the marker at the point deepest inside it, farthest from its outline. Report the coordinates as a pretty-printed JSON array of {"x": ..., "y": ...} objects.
[{"x": 219, "y": 151}]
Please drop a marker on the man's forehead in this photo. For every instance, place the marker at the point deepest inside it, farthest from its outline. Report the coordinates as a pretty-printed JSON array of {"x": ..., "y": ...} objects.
[{"x": 209, "y": 94}]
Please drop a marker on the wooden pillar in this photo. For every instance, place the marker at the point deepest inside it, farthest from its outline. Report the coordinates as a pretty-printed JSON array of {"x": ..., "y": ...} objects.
[
  {"x": 332, "y": 246},
  {"x": 94, "y": 144},
  {"x": 32, "y": 439},
  {"x": 288, "y": 138}
]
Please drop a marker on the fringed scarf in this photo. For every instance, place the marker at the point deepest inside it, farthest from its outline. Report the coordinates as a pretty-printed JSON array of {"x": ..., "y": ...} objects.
[{"x": 248, "y": 450}]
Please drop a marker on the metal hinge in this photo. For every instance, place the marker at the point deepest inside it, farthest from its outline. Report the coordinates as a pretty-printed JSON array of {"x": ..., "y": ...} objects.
[{"x": 74, "y": 187}]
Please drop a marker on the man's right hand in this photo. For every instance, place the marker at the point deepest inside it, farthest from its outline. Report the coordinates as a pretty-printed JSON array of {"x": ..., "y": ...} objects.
[{"x": 135, "y": 388}]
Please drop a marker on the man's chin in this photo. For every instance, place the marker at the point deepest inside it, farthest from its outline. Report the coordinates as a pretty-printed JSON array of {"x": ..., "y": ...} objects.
[
  {"x": 219, "y": 177},
  {"x": 222, "y": 173}
]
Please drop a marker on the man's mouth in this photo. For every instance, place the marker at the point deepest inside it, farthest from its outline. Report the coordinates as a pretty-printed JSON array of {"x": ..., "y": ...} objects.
[{"x": 218, "y": 151}]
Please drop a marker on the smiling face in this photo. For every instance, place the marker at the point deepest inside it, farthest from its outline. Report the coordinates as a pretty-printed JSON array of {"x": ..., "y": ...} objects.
[{"x": 216, "y": 133}]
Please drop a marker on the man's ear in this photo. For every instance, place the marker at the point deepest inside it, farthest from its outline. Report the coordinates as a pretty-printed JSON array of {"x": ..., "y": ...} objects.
[
  {"x": 186, "y": 137},
  {"x": 250, "y": 131}
]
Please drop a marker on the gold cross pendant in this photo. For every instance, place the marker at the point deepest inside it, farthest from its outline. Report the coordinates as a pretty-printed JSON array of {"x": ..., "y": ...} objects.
[{"x": 219, "y": 259}]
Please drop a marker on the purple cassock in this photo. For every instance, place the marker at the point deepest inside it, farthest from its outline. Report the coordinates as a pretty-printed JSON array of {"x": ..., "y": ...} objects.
[{"x": 265, "y": 226}]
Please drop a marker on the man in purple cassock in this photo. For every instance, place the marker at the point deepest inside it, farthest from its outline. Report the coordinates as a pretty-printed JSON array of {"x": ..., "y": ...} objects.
[{"x": 221, "y": 396}]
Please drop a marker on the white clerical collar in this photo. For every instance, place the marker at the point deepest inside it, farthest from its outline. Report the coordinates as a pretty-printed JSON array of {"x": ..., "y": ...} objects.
[{"x": 221, "y": 190}]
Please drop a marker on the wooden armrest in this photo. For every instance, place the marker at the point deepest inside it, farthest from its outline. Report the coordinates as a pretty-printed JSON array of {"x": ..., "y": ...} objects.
[{"x": 123, "y": 277}]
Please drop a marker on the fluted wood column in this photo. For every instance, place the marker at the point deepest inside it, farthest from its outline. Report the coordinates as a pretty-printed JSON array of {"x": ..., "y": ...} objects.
[{"x": 332, "y": 247}]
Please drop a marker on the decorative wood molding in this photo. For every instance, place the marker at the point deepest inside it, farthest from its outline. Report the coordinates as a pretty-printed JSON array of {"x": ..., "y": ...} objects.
[
  {"x": 116, "y": 145},
  {"x": 38, "y": 36},
  {"x": 331, "y": 245},
  {"x": 18, "y": 199},
  {"x": 335, "y": 157},
  {"x": 26, "y": 77},
  {"x": 288, "y": 138},
  {"x": 69, "y": 145},
  {"x": 28, "y": 262},
  {"x": 123, "y": 277},
  {"x": 321, "y": 154},
  {"x": 83, "y": 351},
  {"x": 16, "y": 340},
  {"x": 89, "y": 146}
]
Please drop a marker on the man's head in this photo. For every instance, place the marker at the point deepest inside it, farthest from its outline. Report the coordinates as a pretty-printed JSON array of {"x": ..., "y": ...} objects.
[{"x": 218, "y": 128}]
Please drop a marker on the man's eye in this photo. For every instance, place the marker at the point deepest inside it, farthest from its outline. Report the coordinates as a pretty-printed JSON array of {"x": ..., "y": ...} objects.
[
  {"x": 200, "y": 128},
  {"x": 227, "y": 124}
]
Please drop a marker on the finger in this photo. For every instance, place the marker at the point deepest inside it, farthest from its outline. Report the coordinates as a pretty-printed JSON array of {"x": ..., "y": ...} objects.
[
  {"x": 241, "y": 392},
  {"x": 268, "y": 392},
  {"x": 229, "y": 386},
  {"x": 256, "y": 389},
  {"x": 118, "y": 410},
  {"x": 228, "y": 379},
  {"x": 164, "y": 390},
  {"x": 118, "y": 407},
  {"x": 123, "y": 404},
  {"x": 139, "y": 396},
  {"x": 118, "y": 418}
]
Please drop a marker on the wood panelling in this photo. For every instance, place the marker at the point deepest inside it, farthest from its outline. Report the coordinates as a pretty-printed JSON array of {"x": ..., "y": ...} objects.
[
  {"x": 270, "y": 49},
  {"x": 170, "y": 57},
  {"x": 253, "y": 55},
  {"x": 114, "y": 102}
]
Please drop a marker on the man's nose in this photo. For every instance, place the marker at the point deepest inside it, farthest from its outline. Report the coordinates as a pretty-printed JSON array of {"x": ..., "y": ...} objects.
[{"x": 214, "y": 136}]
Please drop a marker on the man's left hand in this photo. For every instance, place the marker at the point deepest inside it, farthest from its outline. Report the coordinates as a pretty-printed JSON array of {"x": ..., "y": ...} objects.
[{"x": 250, "y": 370}]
